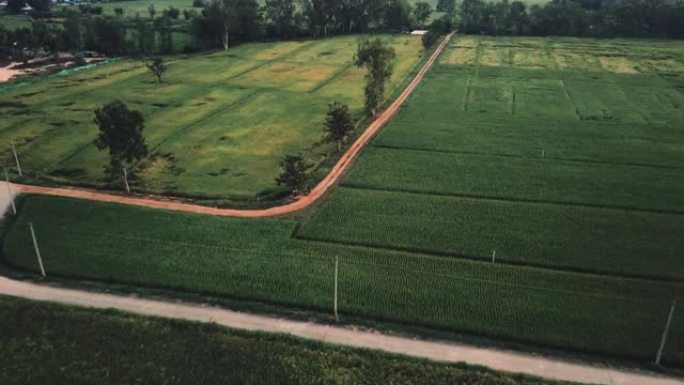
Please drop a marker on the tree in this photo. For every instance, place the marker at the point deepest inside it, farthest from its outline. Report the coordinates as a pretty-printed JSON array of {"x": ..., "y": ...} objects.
[
  {"x": 378, "y": 58},
  {"x": 422, "y": 12},
  {"x": 220, "y": 12},
  {"x": 397, "y": 15},
  {"x": 294, "y": 174},
  {"x": 151, "y": 11},
  {"x": 163, "y": 26},
  {"x": 338, "y": 124},
  {"x": 280, "y": 14},
  {"x": 15, "y": 6},
  {"x": 107, "y": 35},
  {"x": 144, "y": 35},
  {"x": 172, "y": 12},
  {"x": 121, "y": 134},
  {"x": 158, "y": 68}
]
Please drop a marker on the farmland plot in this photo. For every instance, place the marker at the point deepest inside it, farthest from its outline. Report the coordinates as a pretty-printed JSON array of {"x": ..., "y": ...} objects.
[
  {"x": 217, "y": 126},
  {"x": 513, "y": 198},
  {"x": 260, "y": 261}
]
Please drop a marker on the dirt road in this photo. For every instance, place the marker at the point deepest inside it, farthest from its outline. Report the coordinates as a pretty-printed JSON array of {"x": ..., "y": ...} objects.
[
  {"x": 316, "y": 193},
  {"x": 441, "y": 351}
]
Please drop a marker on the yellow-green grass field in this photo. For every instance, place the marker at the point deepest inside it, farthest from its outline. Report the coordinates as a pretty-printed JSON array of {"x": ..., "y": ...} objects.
[
  {"x": 217, "y": 126},
  {"x": 537, "y": 205}
]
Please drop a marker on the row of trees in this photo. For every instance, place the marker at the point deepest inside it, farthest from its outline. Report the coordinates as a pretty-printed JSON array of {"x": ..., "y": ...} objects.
[
  {"x": 216, "y": 24},
  {"x": 590, "y": 18},
  {"x": 77, "y": 32},
  {"x": 225, "y": 22}
]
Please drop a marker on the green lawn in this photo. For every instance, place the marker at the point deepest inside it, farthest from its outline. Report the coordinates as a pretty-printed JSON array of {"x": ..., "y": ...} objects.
[
  {"x": 45, "y": 343},
  {"x": 217, "y": 127},
  {"x": 566, "y": 166}
]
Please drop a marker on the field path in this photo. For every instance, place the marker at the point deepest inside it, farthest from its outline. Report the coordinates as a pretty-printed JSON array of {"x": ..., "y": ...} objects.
[
  {"x": 342, "y": 165},
  {"x": 509, "y": 361}
]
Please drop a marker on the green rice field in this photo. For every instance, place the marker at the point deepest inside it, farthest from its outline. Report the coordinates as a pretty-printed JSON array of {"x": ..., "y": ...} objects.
[
  {"x": 217, "y": 127},
  {"x": 528, "y": 191}
]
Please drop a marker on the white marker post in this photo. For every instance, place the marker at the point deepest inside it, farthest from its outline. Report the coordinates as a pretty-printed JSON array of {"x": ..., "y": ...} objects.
[
  {"x": 493, "y": 256},
  {"x": 9, "y": 191},
  {"x": 128, "y": 189},
  {"x": 35, "y": 245},
  {"x": 16, "y": 158},
  {"x": 337, "y": 318},
  {"x": 543, "y": 153},
  {"x": 665, "y": 332}
]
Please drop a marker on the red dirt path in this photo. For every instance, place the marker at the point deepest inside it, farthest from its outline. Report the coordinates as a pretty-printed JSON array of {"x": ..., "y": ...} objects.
[{"x": 342, "y": 165}]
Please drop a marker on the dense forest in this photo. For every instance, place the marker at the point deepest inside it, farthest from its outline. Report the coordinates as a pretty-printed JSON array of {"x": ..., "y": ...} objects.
[{"x": 223, "y": 23}]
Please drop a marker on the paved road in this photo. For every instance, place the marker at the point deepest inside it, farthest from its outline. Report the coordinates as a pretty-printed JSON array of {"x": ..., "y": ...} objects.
[
  {"x": 450, "y": 352},
  {"x": 303, "y": 202}
]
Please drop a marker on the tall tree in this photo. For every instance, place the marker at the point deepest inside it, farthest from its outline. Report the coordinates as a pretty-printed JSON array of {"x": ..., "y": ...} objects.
[
  {"x": 280, "y": 15},
  {"x": 144, "y": 35},
  {"x": 422, "y": 12},
  {"x": 378, "y": 59},
  {"x": 338, "y": 124},
  {"x": 120, "y": 134},
  {"x": 397, "y": 15},
  {"x": 163, "y": 26},
  {"x": 294, "y": 174},
  {"x": 158, "y": 68}
]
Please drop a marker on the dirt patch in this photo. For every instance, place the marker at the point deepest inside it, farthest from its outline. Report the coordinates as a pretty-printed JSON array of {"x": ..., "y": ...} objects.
[{"x": 618, "y": 64}]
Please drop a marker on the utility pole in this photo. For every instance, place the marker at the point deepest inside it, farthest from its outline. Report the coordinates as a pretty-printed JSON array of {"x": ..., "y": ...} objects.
[
  {"x": 9, "y": 191},
  {"x": 337, "y": 318},
  {"x": 35, "y": 245},
  {"x": 128, "y": 189},
  {"x": 16, "y": 158},
  {"x": 665, "y": 332}
]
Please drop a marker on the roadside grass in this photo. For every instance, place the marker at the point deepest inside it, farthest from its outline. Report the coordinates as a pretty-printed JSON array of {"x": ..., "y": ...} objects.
[
  {"x": 259, "y": 260},
  {"x": 218, "y": 125},
  {"x": 76, "y": 345}
]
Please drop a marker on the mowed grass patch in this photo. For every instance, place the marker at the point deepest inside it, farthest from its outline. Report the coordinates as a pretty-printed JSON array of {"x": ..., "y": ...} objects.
[
  {"x": 259, "y": 261},
  {"x": 217, "y": 126},
  {"x": 589, "y": 239}
]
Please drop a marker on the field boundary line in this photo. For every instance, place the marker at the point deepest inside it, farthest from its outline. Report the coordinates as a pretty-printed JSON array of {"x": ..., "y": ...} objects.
[
  {"x": 486, "y": 260},
  {"x": 570, "y": 99},
  {"x": 175, "y": 204},
  {"x": 330, "y": 79},
  {"x": 666, "y": 285},
  {"x": 502, "y": 155},
  {"x": 497, "y": 359},
  {"x": 359, "y": 186},
  {"x": 236, "y": 104}
]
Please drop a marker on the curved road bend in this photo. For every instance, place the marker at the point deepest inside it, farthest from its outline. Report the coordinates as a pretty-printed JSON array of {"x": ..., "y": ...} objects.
[{"x": 316, "y": 193}]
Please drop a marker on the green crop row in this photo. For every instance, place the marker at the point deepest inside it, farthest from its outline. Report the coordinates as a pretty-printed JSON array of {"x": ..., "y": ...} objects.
[
  {"x": 521, "y": 178},
  {"x": 566, "y": 237},
  {"x": 259, "y": 261}
]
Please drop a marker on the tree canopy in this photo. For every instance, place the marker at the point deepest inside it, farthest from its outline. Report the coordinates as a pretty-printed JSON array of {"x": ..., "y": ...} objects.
[{"x": 120, "y": 132}]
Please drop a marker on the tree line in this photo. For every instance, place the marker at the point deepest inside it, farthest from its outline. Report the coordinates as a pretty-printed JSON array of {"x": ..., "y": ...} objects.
[
  {"x": 211, "y": 24},
  {"x": 581, "y": 18}
]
